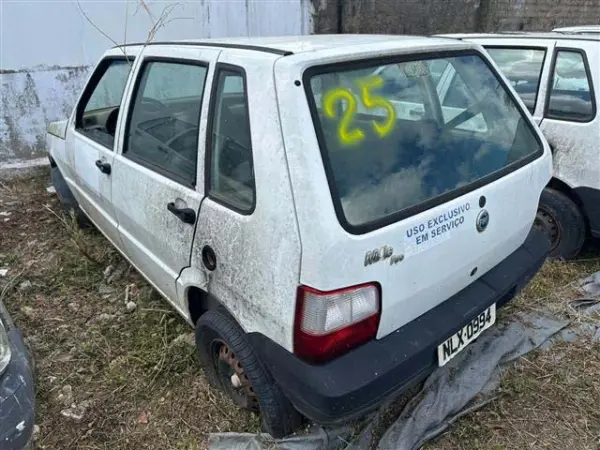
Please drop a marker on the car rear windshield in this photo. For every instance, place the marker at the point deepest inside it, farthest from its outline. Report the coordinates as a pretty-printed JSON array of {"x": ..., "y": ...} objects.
[{"x": 399, "y": 137}]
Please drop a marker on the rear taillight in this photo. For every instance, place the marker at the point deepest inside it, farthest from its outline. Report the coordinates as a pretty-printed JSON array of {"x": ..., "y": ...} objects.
[{"x": 331, "y": 323}]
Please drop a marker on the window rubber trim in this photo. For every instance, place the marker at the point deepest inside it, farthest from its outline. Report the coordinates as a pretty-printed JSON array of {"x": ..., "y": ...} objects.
[
  {"x": 89, "y": 89},
  {"x": 526, "y": 47},
  {"x": 588, "y": 74},
  {"x": 431, "y": 202},
  {"x": 136, "y": 87},
  {"x": 219, "y": 68}
]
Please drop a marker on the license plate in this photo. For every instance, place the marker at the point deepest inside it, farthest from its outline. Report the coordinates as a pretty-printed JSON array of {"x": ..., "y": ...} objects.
[{"x": 457, "y": 342}]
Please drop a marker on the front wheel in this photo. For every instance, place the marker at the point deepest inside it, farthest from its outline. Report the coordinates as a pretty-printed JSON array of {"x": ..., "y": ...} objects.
[
  {"x": 231, "y": 364},
  {"x": 562, "y": 221}
]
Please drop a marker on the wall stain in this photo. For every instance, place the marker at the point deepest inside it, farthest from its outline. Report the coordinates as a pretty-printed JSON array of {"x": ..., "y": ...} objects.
[
  {"x": 30, "y": 93},
  {"x": 31, "y": 99}
]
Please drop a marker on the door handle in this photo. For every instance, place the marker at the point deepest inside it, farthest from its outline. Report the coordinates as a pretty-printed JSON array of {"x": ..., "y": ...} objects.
[
  {"x": 103, "y": 167},
  {"x": 186, "y": 215},
  {"x": 416, "y": 113}
]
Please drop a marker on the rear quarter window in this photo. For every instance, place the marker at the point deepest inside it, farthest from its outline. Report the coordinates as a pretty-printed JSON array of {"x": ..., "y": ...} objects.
[
  {"x": 392, "y": 147},
  {"x": 571, "y": 94}
]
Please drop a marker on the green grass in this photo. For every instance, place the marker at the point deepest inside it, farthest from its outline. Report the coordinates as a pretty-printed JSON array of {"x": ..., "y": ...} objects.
[{"x": 144, "y": 385}]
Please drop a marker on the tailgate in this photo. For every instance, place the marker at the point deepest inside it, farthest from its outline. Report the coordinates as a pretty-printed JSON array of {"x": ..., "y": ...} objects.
[
  {"x": 441, "y": 251},
  {"x": 423, "y": 203}
]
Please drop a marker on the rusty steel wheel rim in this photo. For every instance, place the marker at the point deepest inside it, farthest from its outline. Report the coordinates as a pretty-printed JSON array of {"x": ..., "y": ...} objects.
[
  {"x": 547, "y": 223},
  {"x": 233, "y": 377}
]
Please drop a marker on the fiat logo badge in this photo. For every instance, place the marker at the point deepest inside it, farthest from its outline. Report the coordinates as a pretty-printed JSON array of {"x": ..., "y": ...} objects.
[{"x": 483, "y": 219}]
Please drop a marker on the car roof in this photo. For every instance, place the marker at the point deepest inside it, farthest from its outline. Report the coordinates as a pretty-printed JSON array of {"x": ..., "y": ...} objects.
[
  {"x": 552, "y": 35},
  {"x": 287, "y": 45},
  {"x": 579, "y": 29}
]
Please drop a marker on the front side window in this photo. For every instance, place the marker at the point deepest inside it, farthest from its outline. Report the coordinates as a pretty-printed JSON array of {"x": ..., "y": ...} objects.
[
  {"x": 162, "y": 132},
  {"x": 570, "y": 93},
  {"x": 523, "y": 68},
  {"x": 388, "y": 153},
  {"x": 231, "y": 178},
  {"x": 98, "y": 111}
]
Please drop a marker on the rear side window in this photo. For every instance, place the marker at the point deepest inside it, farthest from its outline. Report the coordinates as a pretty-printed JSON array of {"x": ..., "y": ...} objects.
[
  {"x": 570, "y": 93},
  {"x": 98, "y": 111},
  {"x": 389, "y": 156},
  {"x": 162, "y": 131},
  {"x": 231, "y": 173},
  {"x": 455, "y": 100},
  {"x": 523, "y": 68}
]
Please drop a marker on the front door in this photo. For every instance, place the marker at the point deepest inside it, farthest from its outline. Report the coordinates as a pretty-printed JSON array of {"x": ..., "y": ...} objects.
[
  {"x": 156, "y": 195},
  {"x": 91, "y": 139}
]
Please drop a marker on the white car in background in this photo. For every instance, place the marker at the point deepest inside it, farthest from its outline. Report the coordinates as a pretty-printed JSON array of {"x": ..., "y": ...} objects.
[
  {"x": 583, "y": 29},
  {"x": 558, "y": 77}
]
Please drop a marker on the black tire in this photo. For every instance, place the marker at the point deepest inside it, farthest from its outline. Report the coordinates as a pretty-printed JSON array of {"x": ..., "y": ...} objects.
[
  {"x": 67, "y": 200},
  {"x": 279, "y": 418},
  {"x": 561, "y": 219}
]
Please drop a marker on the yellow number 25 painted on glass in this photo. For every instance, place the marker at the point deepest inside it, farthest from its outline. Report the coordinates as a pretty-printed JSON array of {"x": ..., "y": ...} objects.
[{"x": 354, "y": 136}]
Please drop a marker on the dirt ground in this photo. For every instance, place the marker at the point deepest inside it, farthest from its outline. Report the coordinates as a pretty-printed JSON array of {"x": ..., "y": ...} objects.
[{"x": 113, "y": 375}]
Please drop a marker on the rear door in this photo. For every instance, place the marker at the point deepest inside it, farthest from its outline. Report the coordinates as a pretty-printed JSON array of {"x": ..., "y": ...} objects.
[
  {"x": 91, "y": 141},
  {"x": 570, "y": 112},
  {"x": 157, "y": 195}
]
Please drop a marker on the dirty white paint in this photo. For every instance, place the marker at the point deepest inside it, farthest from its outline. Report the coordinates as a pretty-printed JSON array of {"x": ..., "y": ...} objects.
[
  {"x": 576, "y": 157},
  {"x": 333, "y": 258},
  {"x": 576, "y": 149},
  {"x": 575, "y": 144},
  {"x": 293, "y": 235},
  {"x": 258, "y": 255},
  {"x": 41, "y": 77}
]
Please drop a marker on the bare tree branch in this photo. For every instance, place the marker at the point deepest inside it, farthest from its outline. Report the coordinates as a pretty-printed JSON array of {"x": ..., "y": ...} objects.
[
  {"x": 147, "y": 8},
  {"x": 157, "y": 24},
  {"x": 103, "y": 33},
  {"x": 126, "y": 17},
  {"x": 162, "y": 20},
  {"x": 94, "y": 25},
  {"x": 164, "y": 24}
]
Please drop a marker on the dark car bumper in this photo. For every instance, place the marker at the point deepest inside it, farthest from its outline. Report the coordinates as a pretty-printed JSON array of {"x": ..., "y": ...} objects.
[
  {"x": 17, "y": 395},
  {"x": 360, "y": 380}
]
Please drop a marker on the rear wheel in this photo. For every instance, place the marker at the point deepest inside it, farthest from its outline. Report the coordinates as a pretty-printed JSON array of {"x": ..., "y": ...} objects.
[
  {"x": 231, "y": 364},
  {"x": 562, "y": 221}
]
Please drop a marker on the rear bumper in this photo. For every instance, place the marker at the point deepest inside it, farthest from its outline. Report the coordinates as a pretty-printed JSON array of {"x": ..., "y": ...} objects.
[
  {"x": 17, "y": 395},
  {"x": 360, "y": 380}
]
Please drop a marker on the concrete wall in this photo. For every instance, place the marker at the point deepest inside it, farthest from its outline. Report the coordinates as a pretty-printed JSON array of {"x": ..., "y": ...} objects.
[
  {"x": 47, "y": 48},
  {"x": 540, "y": 14},
  {"x": 450, "y": 16}
]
